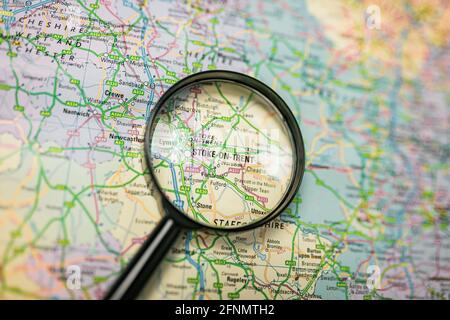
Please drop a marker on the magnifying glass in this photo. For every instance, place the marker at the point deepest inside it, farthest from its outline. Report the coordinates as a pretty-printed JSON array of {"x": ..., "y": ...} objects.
[{"x": 226, "y": 154}]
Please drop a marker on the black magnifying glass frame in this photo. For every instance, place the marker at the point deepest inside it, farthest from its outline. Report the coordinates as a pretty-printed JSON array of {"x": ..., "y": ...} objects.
[{"x": 138, "y": 271}]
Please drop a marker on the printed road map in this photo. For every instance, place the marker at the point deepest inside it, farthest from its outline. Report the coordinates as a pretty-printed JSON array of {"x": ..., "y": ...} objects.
[{"x": 367, "y": 81}]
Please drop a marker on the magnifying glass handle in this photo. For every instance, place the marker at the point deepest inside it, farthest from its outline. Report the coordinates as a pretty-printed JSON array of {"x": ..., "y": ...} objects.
[{"x": 136, "y": 275}]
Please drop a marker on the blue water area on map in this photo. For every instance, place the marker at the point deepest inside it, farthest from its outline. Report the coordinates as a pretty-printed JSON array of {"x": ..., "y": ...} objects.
[{"x": 195, "y": 264}]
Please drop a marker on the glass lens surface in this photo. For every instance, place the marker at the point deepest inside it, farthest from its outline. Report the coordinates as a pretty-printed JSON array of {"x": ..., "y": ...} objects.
[{"x": 221, "y": 153}]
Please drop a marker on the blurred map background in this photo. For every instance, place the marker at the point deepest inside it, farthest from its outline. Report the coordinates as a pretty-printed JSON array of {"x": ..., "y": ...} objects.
[{"x": 368, "y": 82}]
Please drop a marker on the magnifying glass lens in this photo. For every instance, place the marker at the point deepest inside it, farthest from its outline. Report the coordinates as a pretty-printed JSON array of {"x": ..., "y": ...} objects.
[{"x": 221, "y": 153}]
